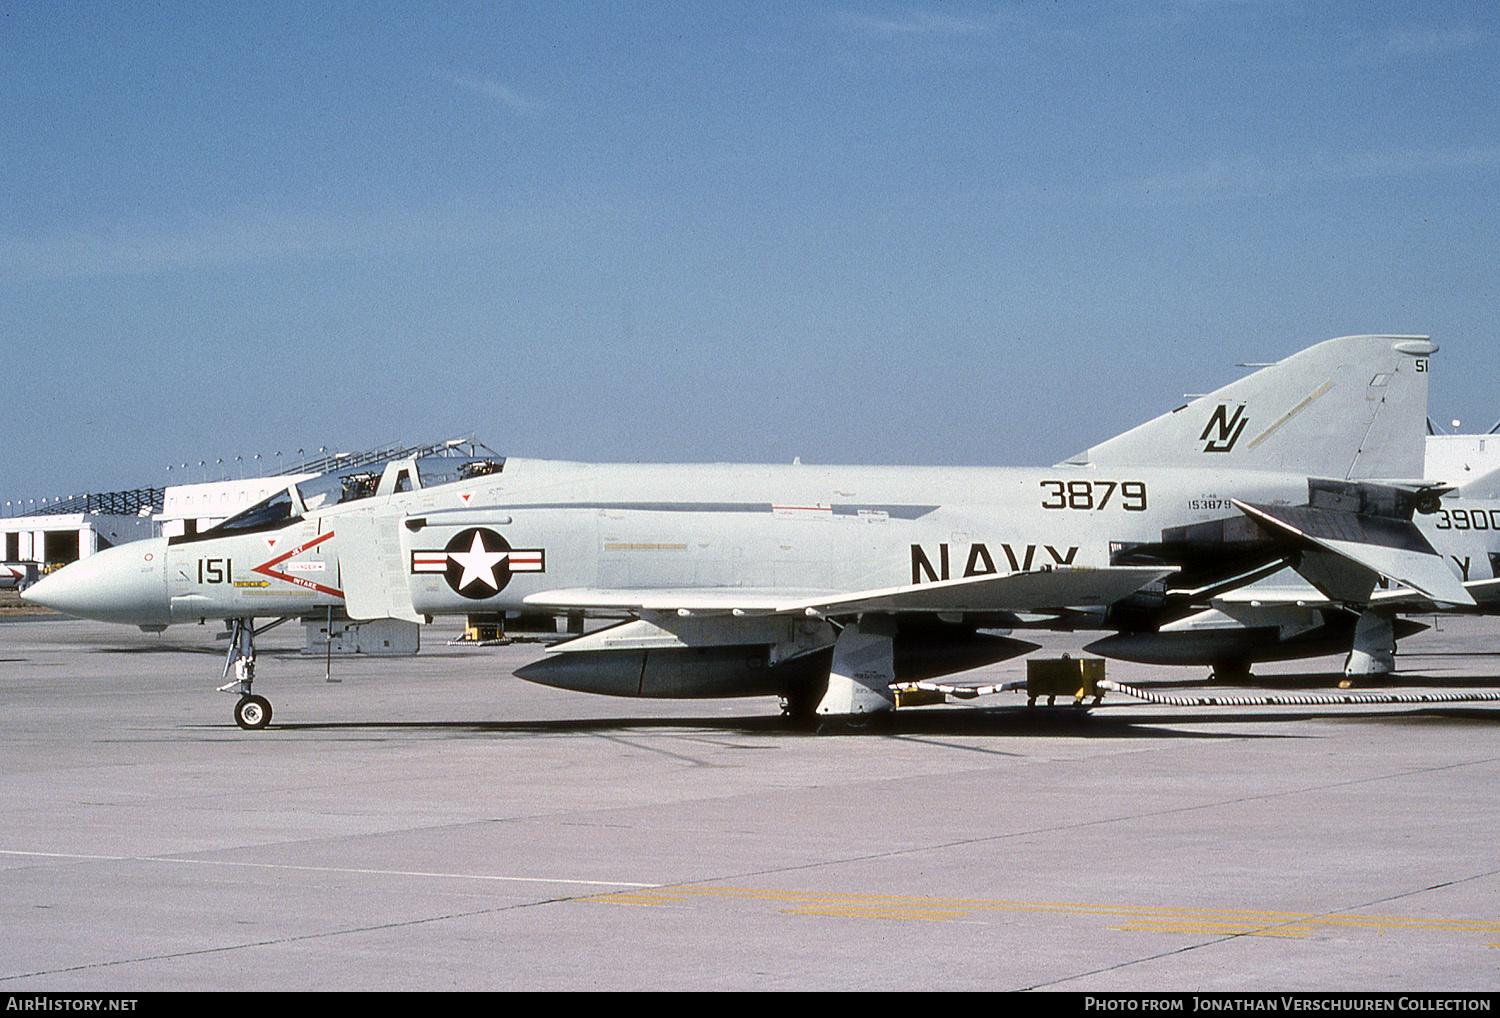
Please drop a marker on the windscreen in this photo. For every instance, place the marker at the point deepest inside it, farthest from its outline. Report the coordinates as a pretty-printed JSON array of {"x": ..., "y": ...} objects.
[{"x": 268, "y": 514}]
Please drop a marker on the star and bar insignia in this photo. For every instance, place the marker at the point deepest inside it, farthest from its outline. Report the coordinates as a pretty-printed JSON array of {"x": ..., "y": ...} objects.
[{"x": 478, "y": 563}]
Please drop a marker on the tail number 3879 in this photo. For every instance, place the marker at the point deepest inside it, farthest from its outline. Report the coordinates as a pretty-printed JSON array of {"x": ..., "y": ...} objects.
[{"x": 1089, "y": 496}]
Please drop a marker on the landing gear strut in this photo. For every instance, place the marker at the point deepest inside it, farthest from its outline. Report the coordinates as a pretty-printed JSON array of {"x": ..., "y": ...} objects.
[
  {"x": 252, "y": 712},
  {"x": 1373, "y": 653}
]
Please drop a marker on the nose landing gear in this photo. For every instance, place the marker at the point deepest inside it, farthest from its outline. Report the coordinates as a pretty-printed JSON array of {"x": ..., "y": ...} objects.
[{"x": 252, "y": 712}]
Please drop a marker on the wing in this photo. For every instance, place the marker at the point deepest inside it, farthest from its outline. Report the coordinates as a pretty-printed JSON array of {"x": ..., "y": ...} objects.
[{"x": 1036, "y": 591}]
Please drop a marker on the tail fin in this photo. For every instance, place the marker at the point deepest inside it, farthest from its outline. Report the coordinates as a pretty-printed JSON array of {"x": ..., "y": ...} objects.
[{"x": 1354, "y": 407}]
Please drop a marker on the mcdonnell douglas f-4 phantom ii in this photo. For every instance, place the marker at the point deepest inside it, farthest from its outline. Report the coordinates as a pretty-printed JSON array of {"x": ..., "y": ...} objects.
[{"x": 827, "y": 585}]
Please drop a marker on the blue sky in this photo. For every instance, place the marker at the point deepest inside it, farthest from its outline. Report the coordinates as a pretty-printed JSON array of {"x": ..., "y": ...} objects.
[{"x": 944, "y": 233}]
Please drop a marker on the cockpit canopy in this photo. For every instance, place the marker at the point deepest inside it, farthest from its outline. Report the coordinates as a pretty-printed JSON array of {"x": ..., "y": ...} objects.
[{"x": 299, "y": 498}]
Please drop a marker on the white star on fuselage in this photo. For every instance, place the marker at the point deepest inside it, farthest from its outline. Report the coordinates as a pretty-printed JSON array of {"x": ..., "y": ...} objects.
[{"x": 479, "y": 564}]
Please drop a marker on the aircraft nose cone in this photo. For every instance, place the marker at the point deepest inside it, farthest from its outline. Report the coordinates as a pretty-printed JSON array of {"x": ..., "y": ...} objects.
[{"x": 126, "y": 584}]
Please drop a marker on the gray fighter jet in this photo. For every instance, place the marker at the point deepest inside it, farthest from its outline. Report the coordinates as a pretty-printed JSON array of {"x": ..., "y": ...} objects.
[{"x": 827, "y": 585}]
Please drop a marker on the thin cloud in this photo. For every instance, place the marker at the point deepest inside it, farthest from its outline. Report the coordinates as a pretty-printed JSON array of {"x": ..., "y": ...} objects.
[
  {"x": 1374, "y": 50},
  {"x": 1247, "y": 176},
  {"x": 499, "y": 92},
  {"x": 139, "y": 247},
  {"x": 243, "y": 237},
  {"x": 929, "y": 24},
  {"x": 1431, "y": 42},
  {"x": 248, "y": 235}
]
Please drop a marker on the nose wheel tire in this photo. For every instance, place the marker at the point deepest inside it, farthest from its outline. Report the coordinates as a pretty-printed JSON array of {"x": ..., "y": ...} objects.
[{"x": 252, "y": 712}]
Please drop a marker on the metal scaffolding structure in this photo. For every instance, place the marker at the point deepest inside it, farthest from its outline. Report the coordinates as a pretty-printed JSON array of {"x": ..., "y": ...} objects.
[{"x": 135, "y": 502}]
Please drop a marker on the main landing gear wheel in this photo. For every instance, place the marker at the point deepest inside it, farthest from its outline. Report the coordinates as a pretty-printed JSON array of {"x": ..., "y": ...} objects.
[{"x": 252, "y": 712}]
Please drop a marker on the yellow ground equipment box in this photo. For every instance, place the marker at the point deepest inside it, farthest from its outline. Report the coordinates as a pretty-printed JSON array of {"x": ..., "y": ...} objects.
[{"x": 1064, "y": 676}]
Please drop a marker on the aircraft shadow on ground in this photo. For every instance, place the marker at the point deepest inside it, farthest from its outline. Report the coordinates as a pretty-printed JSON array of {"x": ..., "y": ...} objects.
[
  {"x": 1065, "y": 720},
  {"x": 1173, "y": 724},
  {"x": 148, "y": 651},
  {"x": 1041, "y": 722}
]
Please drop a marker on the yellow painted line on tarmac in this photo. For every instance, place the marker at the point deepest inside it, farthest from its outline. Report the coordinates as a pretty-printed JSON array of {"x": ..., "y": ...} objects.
[
  {"x": 638, "y": 898},
  {"x": 1133, "y": 918}
]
